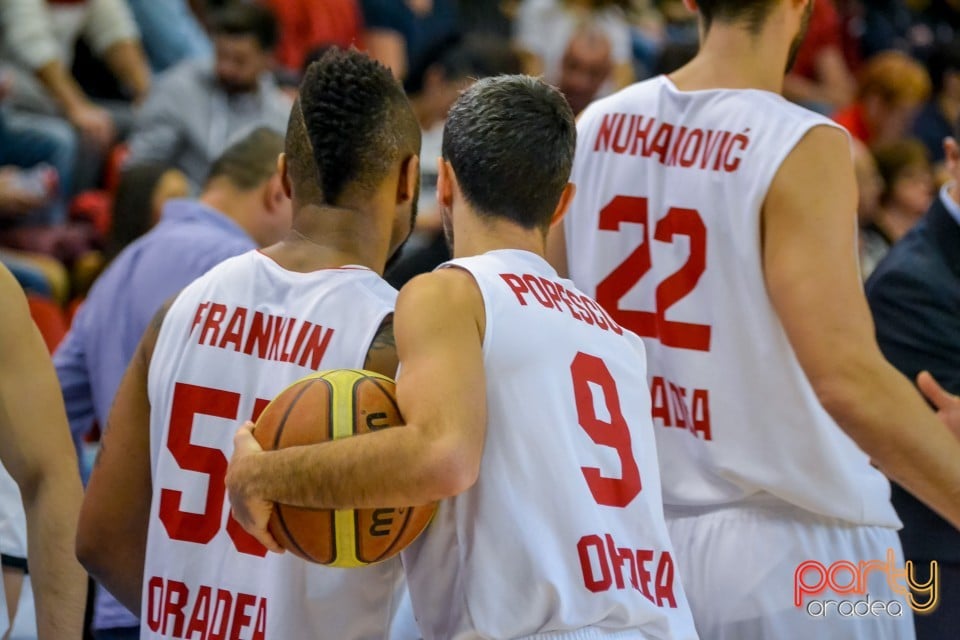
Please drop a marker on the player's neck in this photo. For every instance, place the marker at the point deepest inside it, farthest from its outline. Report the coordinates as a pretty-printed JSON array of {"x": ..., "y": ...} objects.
[
  {"x": 732, "y": 58},
  {"x": 477, "y": 236},
  {"x": 330, "y": 238}
]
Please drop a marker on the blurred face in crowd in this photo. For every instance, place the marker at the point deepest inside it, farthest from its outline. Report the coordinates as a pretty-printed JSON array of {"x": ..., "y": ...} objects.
[
  {"x": 912, "y": 189},
  {"x": 240, "y": 60},
  {"x": 889, "y": 120},
  {"x": 585, "y": 66}
]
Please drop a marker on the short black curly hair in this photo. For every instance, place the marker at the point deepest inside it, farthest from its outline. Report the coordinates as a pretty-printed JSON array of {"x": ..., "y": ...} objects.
[{"x": 349, "y": 125}]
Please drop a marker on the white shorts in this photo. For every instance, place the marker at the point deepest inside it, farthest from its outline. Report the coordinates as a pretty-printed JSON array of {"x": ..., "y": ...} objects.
[{"x": 738, "y": 566}]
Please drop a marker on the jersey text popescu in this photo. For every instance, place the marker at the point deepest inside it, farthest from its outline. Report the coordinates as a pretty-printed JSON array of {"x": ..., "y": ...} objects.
[{"x": 563, "y": 534}]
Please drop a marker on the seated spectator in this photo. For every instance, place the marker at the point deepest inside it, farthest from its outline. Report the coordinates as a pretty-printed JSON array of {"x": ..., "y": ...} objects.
[
  {"x": 820, "y": 78},
  {"x": 306, "y": 25},
  {"x": 586, "y": 66},
  {"x": 544, "y": 29},
  {"x": 933, "y": 124},
  {"x": 892, "y": 87},
  {"x": 170, "y": 31},
  {"x": 38, "y": 44},
  {"x": 39, "y": 38},
  {"x": 908, "y": 187},
  {"x": 873, "y": 244},
  {"x": 141, "y": 195},
  {"x": 28, "y": 140},
  {"x": 197, "y": 108}
]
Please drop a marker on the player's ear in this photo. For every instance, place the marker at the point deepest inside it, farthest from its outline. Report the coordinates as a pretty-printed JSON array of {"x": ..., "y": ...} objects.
[
  {"x": 284, "y": 176},
  {"x": 565, "y": 199},
  {"x": 273, "y": 194},
  {"x": 444, "y": 183},
  {"x": 409, "y": 177}
]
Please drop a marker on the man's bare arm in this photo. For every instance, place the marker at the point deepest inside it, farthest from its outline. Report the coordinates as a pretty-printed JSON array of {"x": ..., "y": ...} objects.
[
  {"x": 442, "y": 395},
  {"x": 112, "y": 534},
  {"x": 36, "y": 449},
  {"x": 809, "y": 257}
]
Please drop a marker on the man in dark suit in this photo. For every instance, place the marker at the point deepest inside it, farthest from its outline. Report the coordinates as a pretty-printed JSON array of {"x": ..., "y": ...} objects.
[{"x": 914, "y": 294}]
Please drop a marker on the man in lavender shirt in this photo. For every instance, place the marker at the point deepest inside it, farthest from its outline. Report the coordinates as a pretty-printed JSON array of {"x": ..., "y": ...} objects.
[{"x": 242, "y": 206}]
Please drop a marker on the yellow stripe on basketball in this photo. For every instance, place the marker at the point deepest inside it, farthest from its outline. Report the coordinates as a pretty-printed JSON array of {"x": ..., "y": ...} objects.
[
  {"x": 346, "y": 554},
  {"x": 342, "y": 382}
]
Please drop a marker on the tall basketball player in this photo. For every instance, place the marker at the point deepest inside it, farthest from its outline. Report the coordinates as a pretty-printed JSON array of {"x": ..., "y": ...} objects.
[
  {"x": 717, "y": 221},
  {"x": 522, "y": 415},
  {"x": 155, "y": 526}
]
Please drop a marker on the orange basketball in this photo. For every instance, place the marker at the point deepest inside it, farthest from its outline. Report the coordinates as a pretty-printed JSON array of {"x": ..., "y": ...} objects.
[{"x": 302, "y": 414}]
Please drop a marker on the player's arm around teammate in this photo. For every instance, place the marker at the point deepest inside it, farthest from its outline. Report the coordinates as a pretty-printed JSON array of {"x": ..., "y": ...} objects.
[
  {"x": 36, "y": 449},
  {"x": 441, "y": 392},
  {"x": 112, "y": 534},
  {"x": 810, "y": 269}
]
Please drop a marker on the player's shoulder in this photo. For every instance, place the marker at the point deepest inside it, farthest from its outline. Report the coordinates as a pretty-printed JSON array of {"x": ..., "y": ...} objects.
[
  {"x": 821, "y": 146},
  {"x": 448, "y": 297},
  {"x": 446, "y": 286},
  {"x": 450, "y": 288}
]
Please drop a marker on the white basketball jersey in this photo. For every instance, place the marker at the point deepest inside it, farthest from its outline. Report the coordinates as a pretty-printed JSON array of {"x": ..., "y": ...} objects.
[
  {"x": 232, "y": 341},
  {"x": 563, "y": 534},
  {"x": 664, "y": 231}
]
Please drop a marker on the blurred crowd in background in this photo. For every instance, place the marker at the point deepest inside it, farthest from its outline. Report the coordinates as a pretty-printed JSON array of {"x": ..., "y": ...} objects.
[{"x": 110, "y": 107}]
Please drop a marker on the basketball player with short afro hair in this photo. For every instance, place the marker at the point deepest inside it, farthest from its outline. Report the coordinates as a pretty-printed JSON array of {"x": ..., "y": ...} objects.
[{"x": 232, "y": 340}]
